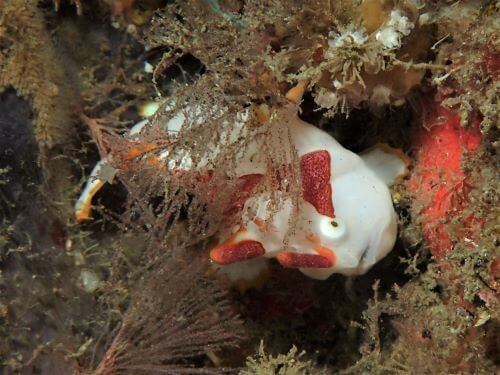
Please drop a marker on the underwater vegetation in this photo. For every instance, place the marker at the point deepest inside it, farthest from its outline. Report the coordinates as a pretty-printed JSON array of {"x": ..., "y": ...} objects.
[
  {"x": 246, "y": 186},
  {"x": 175, "y": 317}
]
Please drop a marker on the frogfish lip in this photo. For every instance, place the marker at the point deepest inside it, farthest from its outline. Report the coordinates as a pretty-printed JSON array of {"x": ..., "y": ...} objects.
[{"x": 229, "y": 253}]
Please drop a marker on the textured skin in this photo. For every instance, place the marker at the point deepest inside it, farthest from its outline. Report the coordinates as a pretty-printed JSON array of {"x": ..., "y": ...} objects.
[
  {"x": 235, "y": 252},
  {"x": 316, "y": 187},
  {"x": 298, "y": 260},
  {"x": 346, "y": 232}
]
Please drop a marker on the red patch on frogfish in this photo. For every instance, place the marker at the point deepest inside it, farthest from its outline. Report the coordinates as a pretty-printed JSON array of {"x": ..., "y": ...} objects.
[
  {"x": 324, "y": 259},
  {"x": 245, "y": 188},
  {"x": 316, "y": 188},
  {"x": 439, "y": 180},
  {"x": 228, "y": 253},
  {"x": 299, "y": 260}
]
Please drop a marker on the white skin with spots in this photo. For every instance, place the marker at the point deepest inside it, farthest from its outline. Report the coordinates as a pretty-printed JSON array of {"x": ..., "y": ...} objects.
[{"x": 364, "y": 228}]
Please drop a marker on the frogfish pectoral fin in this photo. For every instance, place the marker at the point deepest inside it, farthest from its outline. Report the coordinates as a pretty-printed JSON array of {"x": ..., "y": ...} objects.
[{"x": 389, "y": 164}]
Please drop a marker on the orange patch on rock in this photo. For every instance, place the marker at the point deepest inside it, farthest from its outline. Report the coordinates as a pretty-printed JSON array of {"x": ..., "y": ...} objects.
[{"x": 438, "y": 180}]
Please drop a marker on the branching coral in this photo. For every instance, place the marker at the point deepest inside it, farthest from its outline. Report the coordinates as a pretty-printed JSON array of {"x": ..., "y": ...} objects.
[{"x": 176, "y": 319}]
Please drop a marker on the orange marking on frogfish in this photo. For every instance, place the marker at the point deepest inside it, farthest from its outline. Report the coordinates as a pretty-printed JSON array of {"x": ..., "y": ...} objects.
[
  {"x": 228, "y": 253},
  {"x": 156, "y": 162},
  {"x": 139, "y": 150},
  {"x": 325, "y": 252},
  {"x": 261, "y": 224},
  {"x": 296, "y": 92},
  {"x": 314, "y": 238},
  {"x": 83, "y": 215},
  {"x": 262, "y": 113}
]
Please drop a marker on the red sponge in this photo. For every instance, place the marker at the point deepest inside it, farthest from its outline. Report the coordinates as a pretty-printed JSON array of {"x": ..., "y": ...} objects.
[{"x": 438, "y": 182}]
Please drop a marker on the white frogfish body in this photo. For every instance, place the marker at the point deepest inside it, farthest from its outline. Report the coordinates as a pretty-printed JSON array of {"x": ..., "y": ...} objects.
[{"x": 346, "y": 223}]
